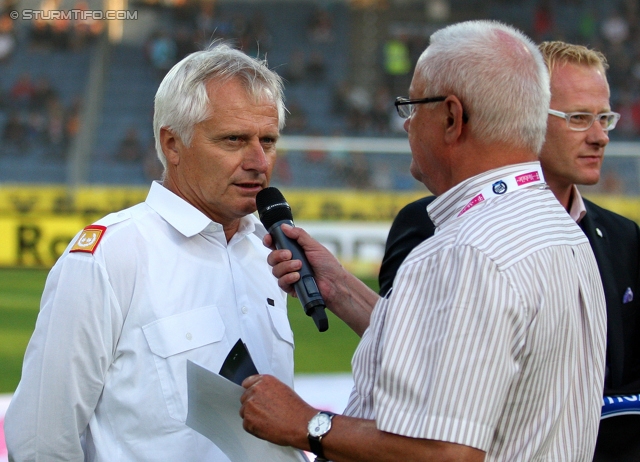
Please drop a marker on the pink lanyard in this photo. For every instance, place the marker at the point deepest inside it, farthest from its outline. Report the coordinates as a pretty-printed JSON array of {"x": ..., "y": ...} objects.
[{"x": 523, "y": 179}]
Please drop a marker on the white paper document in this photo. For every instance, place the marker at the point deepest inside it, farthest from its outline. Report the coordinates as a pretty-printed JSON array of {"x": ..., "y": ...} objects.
[{"x": 214, "y": 411}]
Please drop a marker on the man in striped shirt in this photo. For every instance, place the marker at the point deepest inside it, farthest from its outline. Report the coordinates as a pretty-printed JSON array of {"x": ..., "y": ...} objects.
[
  {"x": 578, "y": 127},
  {"x": 491, "y": 344}
]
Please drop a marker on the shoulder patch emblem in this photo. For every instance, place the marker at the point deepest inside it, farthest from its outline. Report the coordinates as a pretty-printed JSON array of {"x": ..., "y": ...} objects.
[{"x": 89, "y": 239}]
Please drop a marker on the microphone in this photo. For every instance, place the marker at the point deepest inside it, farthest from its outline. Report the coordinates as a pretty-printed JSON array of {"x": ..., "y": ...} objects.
[{"x": 274, "y": 212}]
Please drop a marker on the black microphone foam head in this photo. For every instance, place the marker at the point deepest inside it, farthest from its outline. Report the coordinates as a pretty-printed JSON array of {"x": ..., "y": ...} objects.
[{"x": 272, "y": 207}]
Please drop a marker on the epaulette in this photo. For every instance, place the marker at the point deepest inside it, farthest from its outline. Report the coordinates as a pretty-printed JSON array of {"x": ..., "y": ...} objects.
[
  {"x": 91, "y": 235},
  {"x": 89, "y": 239}
]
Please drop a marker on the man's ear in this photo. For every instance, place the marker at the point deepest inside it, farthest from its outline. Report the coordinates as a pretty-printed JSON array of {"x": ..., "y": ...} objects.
[
  {"x": 455, "y": 118},
  {"x": 171, "y": 146}
]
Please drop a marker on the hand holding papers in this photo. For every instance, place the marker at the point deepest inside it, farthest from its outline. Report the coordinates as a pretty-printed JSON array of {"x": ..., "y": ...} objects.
[
  {"x": 238, "y": 365},
  {"x": 214, "y": 406}
]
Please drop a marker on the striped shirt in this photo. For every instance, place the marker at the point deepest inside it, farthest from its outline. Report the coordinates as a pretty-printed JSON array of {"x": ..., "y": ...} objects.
[{"x": 494, "y": 333}]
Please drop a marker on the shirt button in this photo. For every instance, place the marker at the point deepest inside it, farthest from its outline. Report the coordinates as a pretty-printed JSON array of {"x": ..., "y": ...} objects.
[
  {"x": 189, "y": 336},
  {"x": 245, "y": 309},
  {"x": 211, "y": 228}
]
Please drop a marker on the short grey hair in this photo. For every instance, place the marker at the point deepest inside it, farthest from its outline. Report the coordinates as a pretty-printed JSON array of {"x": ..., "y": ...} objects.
[
  {"x": 498, "y": 74},
  {"x": 182, "y": 101}
]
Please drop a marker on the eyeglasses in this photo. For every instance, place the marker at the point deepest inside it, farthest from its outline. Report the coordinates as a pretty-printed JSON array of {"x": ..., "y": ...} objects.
[
  {"x": 404, "y": 106},
  {"x": 582, "y": 121}
]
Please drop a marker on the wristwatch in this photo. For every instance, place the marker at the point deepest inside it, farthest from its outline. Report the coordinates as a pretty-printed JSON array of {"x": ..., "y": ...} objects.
[{"x": 318, "y": 427}]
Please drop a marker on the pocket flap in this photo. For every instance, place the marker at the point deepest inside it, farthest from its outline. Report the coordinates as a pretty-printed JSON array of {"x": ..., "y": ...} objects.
[
  {"x": 280, "y": 323},
  {"x": 184, "y": 331}
]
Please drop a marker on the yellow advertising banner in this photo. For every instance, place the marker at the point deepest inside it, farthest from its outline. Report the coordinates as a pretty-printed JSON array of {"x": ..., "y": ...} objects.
[
  {"x": 59, "y": 200},
  {"x": 97, "y": 201},
  {"x": 623, "y": 205},
  {"x": 37, "y": 223},
  {"x": 29, "y": 241}
]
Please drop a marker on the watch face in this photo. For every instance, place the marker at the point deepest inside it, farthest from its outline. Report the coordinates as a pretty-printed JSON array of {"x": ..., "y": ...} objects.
[{"x": 319, "y": 425}]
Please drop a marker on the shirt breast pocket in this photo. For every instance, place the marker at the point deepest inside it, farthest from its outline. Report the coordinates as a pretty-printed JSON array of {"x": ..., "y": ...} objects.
[
  {"x": 196, "y": 335},
  {"x": 281, "y": 355}
]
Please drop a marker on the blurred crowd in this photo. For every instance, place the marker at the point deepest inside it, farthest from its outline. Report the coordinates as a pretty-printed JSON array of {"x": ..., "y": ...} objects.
[
  {"x": 35, "y": 117},
  {"x": 61, "y": 33},
  {"x": 613, "y": 28}
]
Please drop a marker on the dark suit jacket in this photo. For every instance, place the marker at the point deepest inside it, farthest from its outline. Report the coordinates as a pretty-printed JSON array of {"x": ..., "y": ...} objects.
[
  {"x": 615, "y": 241},
  {"x": 411, "y": 226}
]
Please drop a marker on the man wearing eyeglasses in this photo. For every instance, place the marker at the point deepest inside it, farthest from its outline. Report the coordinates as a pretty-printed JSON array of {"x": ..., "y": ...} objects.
[
  {"x": 579, "y": 121},
  {"x": 491, "y": 344},
  {"x": 577, "y": 134}
]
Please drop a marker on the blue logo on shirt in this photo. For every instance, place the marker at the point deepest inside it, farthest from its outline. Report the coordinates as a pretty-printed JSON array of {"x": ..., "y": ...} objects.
[{"x": 499, "y": 187}]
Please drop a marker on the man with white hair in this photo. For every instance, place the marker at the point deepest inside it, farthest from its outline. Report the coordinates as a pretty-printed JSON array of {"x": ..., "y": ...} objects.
[
  {"x": 182, "y": 276},
  {"x": 491, "y": 344},
  {"x": 578, "y": 127}
]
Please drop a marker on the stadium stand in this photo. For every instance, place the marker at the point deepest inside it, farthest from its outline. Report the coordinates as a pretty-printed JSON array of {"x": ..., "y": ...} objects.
[
  {"x": 40, "y": 97},
  {"x": 128, "y": 104},
  {"x": 311, "y": 44}
]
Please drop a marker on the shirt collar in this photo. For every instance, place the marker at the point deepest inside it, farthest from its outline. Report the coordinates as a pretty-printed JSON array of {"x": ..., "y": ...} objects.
[
  {"x": 449, "y": 204},
  {"x": 577, "y": 211},
  {"x": 188, "y": 220}
]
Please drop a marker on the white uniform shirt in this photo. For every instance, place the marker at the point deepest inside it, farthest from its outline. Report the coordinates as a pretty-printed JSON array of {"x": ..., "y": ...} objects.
[
  {"x": 107, "y": 361},
  {"x": 494, "y": 333}
]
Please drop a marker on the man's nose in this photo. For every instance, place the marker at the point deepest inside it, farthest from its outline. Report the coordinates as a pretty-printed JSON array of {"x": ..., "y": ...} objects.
[
  {"x": 255, "y": 157},
  {"x": 598, "y": 135}
]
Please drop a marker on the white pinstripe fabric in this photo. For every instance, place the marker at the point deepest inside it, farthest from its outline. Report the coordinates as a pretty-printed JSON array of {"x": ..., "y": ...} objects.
[{"x": 494, "y": 334}]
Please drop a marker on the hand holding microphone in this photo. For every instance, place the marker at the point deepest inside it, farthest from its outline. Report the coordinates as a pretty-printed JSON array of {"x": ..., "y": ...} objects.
[{"x": 274, "y": 211}]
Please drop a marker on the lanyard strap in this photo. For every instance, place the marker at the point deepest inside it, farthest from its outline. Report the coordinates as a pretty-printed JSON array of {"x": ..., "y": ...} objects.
[{"x": 511, "y": 183}]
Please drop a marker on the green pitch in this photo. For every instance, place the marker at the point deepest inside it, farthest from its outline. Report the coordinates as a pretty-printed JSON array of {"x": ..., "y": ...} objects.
[{"x": 20, "y": 291}]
